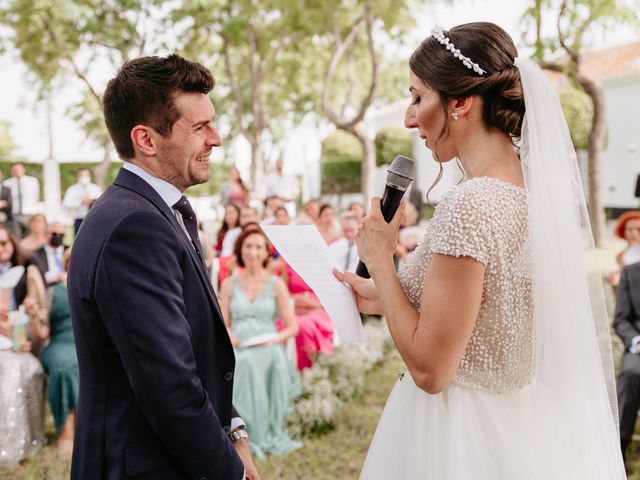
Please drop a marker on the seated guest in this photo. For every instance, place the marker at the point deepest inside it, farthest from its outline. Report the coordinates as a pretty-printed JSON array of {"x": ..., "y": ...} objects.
[
  {"x": 247, "y": 215},
  {"x": 357, "y": 210},
  {"x": 281, "y": 216},
  {"x": 344, "y": 250},
  {"x": 271, "y": 204},
  {"x": 327, "y": 225},
  {"x": 37, "y": 237},
  {"x": 49, "y": 258},
  {"x": 310, "y": 213},
  {"x": 229, "y": 222},
  {"x": 627, "y": 326},
  {"x": 265, "y": 381},
  {"x": 60, "y": 361},
  {"x": 628, "y": 229},
  {"x": 315, "y": 329},
  {"x": 22, "y": 380}
]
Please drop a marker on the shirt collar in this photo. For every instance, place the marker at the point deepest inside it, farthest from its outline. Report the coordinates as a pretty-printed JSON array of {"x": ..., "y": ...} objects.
[{"x": 169, "y": 193}]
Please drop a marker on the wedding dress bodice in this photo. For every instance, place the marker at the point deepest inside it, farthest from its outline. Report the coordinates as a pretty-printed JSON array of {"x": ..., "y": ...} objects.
[{"x": 485, "y": 219}]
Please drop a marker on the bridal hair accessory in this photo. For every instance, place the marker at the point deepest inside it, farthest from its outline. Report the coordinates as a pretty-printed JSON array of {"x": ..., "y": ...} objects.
[{"x": 438, "y": 34}]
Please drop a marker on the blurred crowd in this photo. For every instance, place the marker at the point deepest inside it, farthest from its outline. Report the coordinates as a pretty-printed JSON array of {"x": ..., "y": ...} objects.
[{"x": 276, "y": 322}]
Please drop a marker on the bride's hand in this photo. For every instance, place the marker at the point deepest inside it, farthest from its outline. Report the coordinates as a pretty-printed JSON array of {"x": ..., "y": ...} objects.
[{"x": 366, "y": 292}]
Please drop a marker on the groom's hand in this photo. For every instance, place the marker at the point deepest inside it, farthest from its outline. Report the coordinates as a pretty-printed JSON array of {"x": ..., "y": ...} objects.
[{"x": 250, "y": 470}]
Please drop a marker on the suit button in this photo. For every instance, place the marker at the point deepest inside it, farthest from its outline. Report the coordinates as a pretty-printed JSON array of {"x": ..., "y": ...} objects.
[
  {"x": 203, "y": 478},
  {"x": 228, "y": 376}
]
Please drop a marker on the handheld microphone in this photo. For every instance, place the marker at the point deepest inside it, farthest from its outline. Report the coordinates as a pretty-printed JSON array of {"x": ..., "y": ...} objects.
[{"x": 399, "y": 176}]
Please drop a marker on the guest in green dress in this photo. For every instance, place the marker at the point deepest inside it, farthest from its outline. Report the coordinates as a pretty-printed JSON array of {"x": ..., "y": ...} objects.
[
  {"x": 265, "y": 379},
  {"x": 60, "y": 363}
]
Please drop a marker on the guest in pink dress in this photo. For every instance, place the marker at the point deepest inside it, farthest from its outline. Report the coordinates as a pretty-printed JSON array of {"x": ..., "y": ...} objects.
[{"x": 315, "y": 330}]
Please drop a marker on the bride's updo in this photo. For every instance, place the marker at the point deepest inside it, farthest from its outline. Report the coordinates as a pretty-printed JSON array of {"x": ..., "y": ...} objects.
[{"x": 493, "y": 50}]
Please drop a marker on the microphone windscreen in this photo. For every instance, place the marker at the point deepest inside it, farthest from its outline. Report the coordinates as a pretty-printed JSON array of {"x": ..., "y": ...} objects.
[{"x": 401, "y": 172}]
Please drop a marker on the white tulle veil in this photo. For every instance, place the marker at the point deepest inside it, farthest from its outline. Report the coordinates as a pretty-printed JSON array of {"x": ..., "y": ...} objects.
[{"x": 574, "y": 405}]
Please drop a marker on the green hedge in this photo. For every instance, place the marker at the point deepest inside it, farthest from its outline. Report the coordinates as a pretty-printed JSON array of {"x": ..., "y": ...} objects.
[
  {"x": 341, "y": 163},
  {"x": 392, "y": 141}
]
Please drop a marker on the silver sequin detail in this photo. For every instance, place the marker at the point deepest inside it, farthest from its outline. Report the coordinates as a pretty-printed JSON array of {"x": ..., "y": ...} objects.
[
  {"x": 22, "y": 395},
  {"x": 485, "y": 219}
]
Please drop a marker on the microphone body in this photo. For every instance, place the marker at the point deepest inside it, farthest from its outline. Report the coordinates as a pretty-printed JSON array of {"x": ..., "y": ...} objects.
[{"x": 400, "y": 175}]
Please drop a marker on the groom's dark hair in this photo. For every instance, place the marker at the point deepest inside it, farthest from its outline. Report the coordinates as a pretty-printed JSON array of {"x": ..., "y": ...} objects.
[{"x": 143, "y": 93}]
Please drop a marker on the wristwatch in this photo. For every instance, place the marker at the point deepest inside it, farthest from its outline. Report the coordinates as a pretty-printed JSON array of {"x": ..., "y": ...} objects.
[{"x": 237, "y": 434}]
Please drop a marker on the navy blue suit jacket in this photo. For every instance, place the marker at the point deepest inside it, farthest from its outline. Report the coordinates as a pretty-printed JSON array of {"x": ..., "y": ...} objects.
[{"x": 156, "y": 362}]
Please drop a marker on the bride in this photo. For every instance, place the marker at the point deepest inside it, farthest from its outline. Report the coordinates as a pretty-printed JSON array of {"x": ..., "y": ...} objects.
[{"x": 491, "y": 313}]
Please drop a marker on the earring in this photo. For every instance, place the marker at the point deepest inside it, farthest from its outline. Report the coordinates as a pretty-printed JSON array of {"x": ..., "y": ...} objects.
[{"x": 455, "y": 115}]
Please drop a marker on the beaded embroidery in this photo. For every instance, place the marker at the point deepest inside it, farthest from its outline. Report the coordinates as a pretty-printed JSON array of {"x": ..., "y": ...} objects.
[{"x": 485, "y": 219}]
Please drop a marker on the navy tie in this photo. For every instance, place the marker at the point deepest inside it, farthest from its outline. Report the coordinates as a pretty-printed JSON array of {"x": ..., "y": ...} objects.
[{"x": 191, "y": 224}]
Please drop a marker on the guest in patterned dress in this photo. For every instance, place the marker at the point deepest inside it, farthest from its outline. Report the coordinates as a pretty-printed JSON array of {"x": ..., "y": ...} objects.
[
  {"x": 22, "y": 380},
  {"x": 265, "y": 380}
]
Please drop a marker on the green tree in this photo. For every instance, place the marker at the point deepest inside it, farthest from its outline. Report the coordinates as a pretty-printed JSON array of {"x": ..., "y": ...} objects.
[
  {"x": 391, "y": 142},
  {"x": 355, "y": 32},
  {"x": 575, "y": 20},
  {"x": 341, "y": 159},
  {"x": 578, "y": 110},
  {"x": 65, "y": 41},
  {"x": 8, "y": 146},
  {"x": 260, "y": 50}
]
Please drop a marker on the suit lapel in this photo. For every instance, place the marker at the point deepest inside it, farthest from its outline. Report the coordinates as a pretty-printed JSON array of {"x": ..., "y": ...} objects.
[{"x": 131, "y": 181}]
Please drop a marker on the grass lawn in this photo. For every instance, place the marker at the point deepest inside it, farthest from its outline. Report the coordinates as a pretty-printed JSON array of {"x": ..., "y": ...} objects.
[{"x": 337, "y": 454}]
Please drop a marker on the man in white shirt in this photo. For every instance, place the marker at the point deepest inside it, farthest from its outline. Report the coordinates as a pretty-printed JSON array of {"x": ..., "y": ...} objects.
[
  {"x": 25, "y": 194},
  {"x": 80, "y": 196},
  {"x": 283, "y": 186},
  {"x": 344, "y": 250}
]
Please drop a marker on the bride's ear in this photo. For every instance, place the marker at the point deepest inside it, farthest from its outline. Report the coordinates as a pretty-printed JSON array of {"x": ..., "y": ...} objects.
[{"x": 459, "y": 107}]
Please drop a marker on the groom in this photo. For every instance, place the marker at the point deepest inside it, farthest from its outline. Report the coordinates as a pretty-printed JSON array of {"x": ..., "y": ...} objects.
[{"x": 156, "y": 363}]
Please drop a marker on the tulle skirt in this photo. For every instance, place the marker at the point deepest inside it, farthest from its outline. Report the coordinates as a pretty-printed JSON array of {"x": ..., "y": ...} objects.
[{"x": 468, "y": 434}]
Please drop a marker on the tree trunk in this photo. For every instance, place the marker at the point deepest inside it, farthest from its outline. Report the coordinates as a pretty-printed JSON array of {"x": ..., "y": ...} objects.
[
  {"x": 101, "y": 170},
  {"x": 257, "y": 165},
  {"x": 368, "y": 163},
  {"x": 594, "y": 149}
]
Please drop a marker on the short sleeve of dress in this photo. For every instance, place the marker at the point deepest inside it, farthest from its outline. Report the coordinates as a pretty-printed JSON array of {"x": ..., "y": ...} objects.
[{"x": 463, "y": 224}]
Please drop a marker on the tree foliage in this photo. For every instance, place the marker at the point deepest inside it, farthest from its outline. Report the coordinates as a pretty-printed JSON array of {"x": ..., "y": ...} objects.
[
  {"x": 578, "y": 110},
  {"x": 8, "y": 146},
  {"x": 67, "y": 42},
  {"x": 575, "y": 20},
  {"x": 341, "y": 160},
  {"x": 391, "y": 142},
  {"x": 259, "y": 52}
]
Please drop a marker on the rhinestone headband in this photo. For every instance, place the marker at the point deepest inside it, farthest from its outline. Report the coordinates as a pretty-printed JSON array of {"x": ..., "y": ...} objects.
[{"x": 439, "y": 36}]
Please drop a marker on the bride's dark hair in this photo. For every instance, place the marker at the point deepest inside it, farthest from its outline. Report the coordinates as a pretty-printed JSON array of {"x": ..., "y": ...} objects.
[{"x": 493, "y": 50}]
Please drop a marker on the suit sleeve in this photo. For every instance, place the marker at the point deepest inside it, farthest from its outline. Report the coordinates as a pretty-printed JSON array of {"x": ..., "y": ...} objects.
[
  {"x": 625, "y": 314},
  {"x": 139, "y": 292}
]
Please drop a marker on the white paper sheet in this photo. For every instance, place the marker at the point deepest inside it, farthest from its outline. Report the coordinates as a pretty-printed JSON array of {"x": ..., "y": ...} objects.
[{"x": 306, "y": 252}]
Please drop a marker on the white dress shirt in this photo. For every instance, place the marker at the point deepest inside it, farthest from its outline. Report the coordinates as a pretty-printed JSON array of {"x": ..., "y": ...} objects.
[
  {"x": 284, "y": 186},
  {"x": 344, "y": 254},
  {"x": 25, "y": 197},
  {"x": 229, "y": 241},
  {"x": 74, "y": 196},
  {"x": 54, "y": 261}
]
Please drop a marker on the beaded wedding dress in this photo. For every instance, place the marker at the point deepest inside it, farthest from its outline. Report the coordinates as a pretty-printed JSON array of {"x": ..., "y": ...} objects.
[
  {"x": 490, "y": 423},
  {"x": 477, "y": 428}
]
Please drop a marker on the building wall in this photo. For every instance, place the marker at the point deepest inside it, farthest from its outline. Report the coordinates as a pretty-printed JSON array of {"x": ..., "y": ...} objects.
[{"x": 621, "y": 158}]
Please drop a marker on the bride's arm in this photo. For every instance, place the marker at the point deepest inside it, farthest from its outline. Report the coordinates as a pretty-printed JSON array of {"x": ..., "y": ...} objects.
[{"x": 433, "y": 341}]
